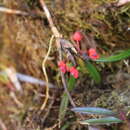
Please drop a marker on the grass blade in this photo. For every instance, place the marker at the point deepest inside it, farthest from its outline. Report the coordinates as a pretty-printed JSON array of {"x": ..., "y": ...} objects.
[
  {"x": 93, "y": 110},
  {"x": 93, "y": 72},
  {"x": 101, "y": 121},
  {"x": 65, "y": 99},
  {"x": 63, "y": 106},
  {"x": 120, "y": 56}
]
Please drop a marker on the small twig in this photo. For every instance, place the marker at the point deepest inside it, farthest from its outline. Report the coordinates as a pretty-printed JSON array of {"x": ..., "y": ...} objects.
[
  {"x": 19, "y": 12},
  {"x": 13, "y": 11},
  {"x": 45, "y": 73},
  {"x": 47, "y": 13}
]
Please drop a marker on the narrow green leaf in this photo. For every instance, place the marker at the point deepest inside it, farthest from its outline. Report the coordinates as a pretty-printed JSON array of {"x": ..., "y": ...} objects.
[
  {"x": 122, "y": 55},
  {"x": 65, "y": 99},
  {"x": 63, "y": 106},
  {"x": 101, "y": 121},
  {"x": 93, "y": 72},
  {"x": 71, "y": 83},
  {"x": 66, "y": 125},
  {"x": 93, "y": 110}
]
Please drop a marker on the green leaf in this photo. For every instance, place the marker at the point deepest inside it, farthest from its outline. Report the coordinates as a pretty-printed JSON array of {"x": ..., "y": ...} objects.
[
  {"x": 93, "y": 72},
  {"x": 122, "y": 55},
  {"x": 101, "y": 121},
  {"x": 71, "y": 83},
  {"x": 63, "y": 106},
  {"x": 93, "y": 110},
  {"x": 65, "y": 100},
  {"x": 66, "y": 125}
]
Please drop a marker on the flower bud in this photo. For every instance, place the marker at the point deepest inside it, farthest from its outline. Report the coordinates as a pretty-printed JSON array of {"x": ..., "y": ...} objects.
[
  {"x": 77, "y": 36},
  {"x": 93, "y": 54},
  {"x": 74, "y": 72}
]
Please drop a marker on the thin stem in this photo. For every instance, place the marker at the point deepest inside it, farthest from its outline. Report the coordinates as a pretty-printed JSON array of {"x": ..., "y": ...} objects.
[
  {"x": 57, "y": 36},
  {"x": 47, "y": 13},
  {"x": 45, "y": 73},
  {"x": 66, "y": 90}
]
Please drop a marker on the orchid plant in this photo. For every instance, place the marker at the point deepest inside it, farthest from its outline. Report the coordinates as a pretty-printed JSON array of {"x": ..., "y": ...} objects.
[{"x": 88, "y": 55}]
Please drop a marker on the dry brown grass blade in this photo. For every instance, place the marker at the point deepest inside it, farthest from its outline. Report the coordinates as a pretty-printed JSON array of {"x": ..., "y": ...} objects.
[{"x": 13, "y": 11}]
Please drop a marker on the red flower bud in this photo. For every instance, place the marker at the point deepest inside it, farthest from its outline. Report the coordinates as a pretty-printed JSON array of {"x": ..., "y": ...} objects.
[
  {"x": 74, "y": 72},
  {"x": 93, "y": 54},
  {"x": 77, "y": 36},
  {"x": 62, "y": 66}
]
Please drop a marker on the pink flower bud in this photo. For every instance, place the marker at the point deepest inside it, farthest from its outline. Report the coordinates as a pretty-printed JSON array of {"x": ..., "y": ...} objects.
[
  {"x": 77, "y": 36},
  {"x": 74, "y": 72},
  {"x": 93, "y": 54},
  {"x": 62, "y": 66}
]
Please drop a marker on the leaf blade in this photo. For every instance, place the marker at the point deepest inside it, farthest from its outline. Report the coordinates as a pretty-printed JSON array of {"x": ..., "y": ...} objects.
[
  {"x": 65, "y": 100},
  {"x": 63, "y": 106},
  {"x": 101, "y": 121},
  {"x": 93, "y": 110},
  {"x": 122, "y": 55},
  {"x": 93, "y": 72}
]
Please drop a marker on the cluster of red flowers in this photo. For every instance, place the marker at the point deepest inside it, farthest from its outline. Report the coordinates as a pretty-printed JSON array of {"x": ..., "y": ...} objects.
[
  {"x": 64, "y": 68},
  {"x": 77, "y": 36}
]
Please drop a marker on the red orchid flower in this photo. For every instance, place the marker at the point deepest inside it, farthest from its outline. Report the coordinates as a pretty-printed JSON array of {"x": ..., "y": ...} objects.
[
  {"x": 93, "y": 54},
  {"x": 74, "y": 72},
  {"x": 63, "y": 67}
]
